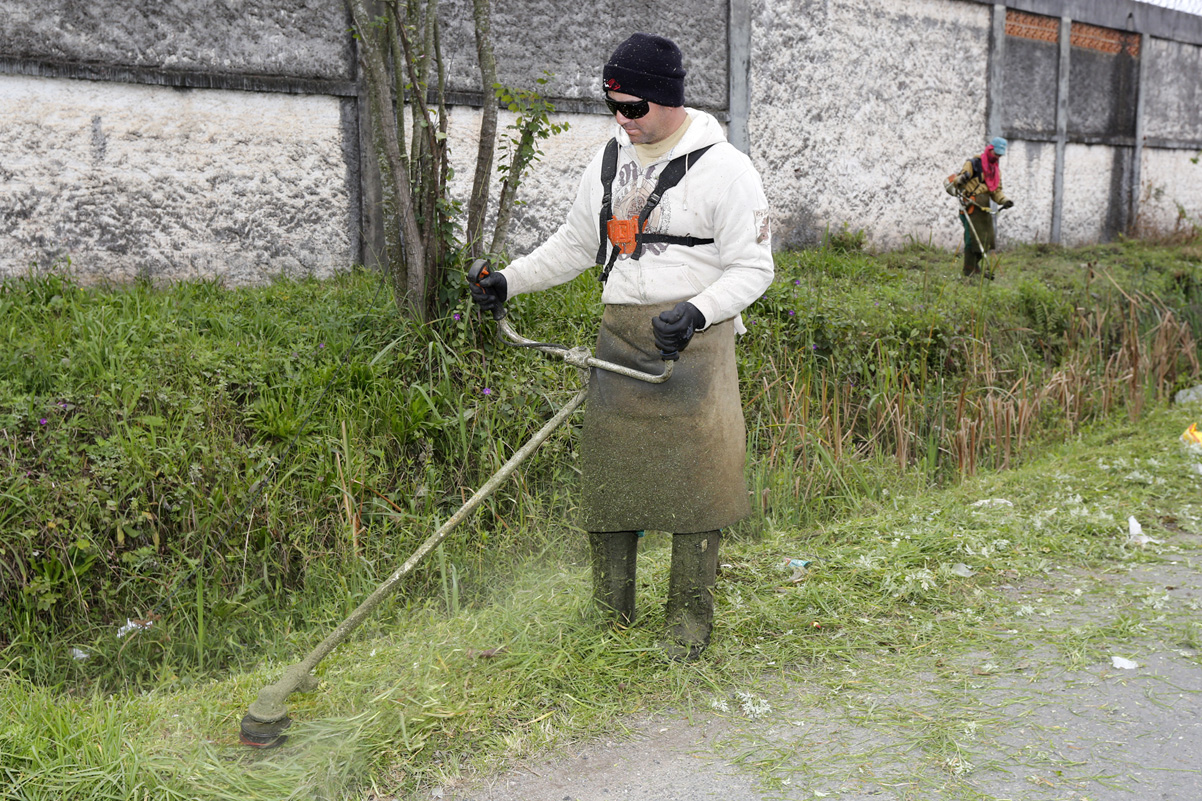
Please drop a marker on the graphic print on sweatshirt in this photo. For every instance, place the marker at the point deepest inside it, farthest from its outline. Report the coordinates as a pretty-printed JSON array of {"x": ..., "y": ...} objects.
[{"x": 632, "y": 186}]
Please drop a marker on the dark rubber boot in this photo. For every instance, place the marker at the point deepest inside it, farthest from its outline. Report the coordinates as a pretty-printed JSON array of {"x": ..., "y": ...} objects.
[
  {"x": 613, "y": 556},
  {"x": 690, "y": 613},
  {"x": 972, "y": 261}
]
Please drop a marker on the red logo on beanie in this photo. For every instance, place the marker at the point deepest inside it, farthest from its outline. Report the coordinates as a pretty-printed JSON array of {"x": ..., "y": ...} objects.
[{"x": 612, "y": 84}]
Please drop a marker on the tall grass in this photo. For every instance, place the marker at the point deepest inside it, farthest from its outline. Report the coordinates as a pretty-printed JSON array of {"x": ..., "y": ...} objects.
[
  {"x": 843, "y": 380},
  {"x": 217, "y": 467}
]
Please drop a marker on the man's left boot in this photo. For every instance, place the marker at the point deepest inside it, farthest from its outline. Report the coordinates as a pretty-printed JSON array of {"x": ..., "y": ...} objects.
[{"x": 690, "y": 613}]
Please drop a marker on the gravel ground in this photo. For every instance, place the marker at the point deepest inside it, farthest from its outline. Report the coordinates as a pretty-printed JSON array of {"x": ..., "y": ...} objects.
[{"x": 1016, "y": 721}]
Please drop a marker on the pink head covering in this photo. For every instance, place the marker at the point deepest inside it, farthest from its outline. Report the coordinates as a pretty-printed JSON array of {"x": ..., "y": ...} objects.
[{"x": 989, "y": 169}]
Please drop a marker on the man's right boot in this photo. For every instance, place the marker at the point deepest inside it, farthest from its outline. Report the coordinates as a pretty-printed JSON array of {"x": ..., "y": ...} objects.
[{"x": 613, "y": 557}]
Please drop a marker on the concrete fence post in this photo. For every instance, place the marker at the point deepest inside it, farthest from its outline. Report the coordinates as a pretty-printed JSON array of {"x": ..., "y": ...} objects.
[
  {"x": 997, "y": 72},
  {"x": 1137, "y": 157},
  {"x": 738, "y": 103},
  {"x": 1062, "y": 84}
]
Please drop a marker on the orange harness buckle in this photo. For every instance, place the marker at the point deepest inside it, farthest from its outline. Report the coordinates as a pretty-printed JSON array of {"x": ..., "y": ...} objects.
[{"x": 623, "y": 233}]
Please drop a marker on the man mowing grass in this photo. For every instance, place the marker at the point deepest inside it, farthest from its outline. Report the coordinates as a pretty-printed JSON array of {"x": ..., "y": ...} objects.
[{"x": 677, "y": 219}]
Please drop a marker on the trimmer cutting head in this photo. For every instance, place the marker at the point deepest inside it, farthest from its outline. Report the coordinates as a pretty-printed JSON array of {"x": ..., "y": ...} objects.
[{"x": 257, "y": 734}]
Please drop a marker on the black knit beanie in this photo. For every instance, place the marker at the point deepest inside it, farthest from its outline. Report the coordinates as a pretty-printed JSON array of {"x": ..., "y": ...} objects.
[{"x": 647, "y": 67}]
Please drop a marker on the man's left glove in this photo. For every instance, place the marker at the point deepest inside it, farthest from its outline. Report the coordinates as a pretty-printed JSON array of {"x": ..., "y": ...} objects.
[
  {"x": 1009, "y": 204},
  {"x": 489, "y": 292},
  {"x": 673, "y": 329}
]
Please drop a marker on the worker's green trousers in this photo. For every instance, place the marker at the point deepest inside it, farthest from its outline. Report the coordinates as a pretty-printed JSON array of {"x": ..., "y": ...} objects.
[{"x": 982, "y": 222}]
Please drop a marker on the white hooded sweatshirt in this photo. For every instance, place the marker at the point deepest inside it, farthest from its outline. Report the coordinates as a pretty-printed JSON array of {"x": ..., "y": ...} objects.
[{"x": 720, "y": 197}]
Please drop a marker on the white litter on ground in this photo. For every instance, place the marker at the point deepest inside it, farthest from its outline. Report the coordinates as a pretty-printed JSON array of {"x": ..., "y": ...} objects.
[
  {"x": 133, "y": 625},
  {"x": 1136, "y": 535}
]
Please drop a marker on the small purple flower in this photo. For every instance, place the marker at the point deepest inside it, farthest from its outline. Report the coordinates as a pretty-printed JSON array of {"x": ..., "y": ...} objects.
[
  {"x": 456, "y": 316},
  {"x": 487, "y": 391},
  {"x": 321, "y": 345},
  {"x": 813, "y": 347},
  {"x": 792, "y": 313},
  {"x": 42, "y": 421},
  {"x": 796, "y": 282}
]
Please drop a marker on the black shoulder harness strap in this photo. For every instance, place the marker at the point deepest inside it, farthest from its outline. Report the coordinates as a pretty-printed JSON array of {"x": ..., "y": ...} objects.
[
  {"x": 668, "y": 178},
  {"x": 609, "y": 170}
]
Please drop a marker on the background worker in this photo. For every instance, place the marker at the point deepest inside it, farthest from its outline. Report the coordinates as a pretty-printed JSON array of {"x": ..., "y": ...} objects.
[
  {"x": 668, "y": 457},
  {"x": 978, "y": 182}
]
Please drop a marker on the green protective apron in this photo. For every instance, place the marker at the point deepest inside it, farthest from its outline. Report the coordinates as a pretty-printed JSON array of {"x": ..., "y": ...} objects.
[{"x": 667, "y": 457}]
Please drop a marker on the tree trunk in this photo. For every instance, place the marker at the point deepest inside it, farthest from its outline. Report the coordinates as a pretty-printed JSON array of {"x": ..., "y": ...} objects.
[
  {"x": 505, "y": 205},
  {"x": 406, "y": 253},
  {"x": 478, "y": 204}
]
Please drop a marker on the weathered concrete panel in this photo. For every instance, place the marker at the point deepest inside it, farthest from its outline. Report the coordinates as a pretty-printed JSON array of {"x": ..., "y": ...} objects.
[
  {"x": 1173, "y": 104},
  {"x": 1030, "y": 87},
  {"x": 1101, "y": 93},
  {"x": 573, "y": 41},
  {"x": 296, "y": 38},
  {"x": 857, "y": 117},
  {"x": 1171, "y": 185},
  {"x": 1088, "y": 171},
  {"x": 1027, "y": 172},
  {"x": 171, "y": 184}
]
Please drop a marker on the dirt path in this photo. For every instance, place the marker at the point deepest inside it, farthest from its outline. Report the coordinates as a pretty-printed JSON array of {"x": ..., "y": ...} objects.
[{"x": 1038, "y": 715}]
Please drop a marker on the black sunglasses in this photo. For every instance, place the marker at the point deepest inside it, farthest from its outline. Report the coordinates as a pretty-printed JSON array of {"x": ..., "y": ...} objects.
[{"x": 631, "y": 111}]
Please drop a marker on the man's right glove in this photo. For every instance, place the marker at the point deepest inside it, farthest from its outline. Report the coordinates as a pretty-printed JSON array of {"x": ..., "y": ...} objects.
[
  {"x": 489, "y": 291},
  {"x": 673, "y": 329},
  {"x": 1009, "y": 204}
]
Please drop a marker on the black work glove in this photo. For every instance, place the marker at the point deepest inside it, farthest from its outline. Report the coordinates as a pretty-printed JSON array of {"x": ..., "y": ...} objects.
[
  {"x": 1009, "y": 204},
  {"x": 489, "y": 294},
  {"x": 673, "y": 329}
]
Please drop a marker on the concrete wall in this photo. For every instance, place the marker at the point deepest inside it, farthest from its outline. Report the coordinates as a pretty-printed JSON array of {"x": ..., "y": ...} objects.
[
  {"x": 857, "y": 117},
  {"x": 108, "y": 159},
  {"x": 1173, "y": 185},
  {"x": 297, "y": 38},
  {"x": 1101, "y": 93},
  {"x": 1173, "y": 103},
  {"x": 1029, "y": 171},
  {"x": 1088, "y": 174},
  {"x": 572, "y": 41},
  {"x": 130, "y": 181},
  {"x": 1030, "y": 73},
  {"x": 854, "y": 115}
]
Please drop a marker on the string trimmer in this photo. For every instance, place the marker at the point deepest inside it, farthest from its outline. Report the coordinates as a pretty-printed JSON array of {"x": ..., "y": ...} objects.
[{"x": 264, "y": 724}]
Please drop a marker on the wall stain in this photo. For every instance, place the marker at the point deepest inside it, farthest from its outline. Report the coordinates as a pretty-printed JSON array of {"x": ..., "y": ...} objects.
[{"x": 99, "y": 141}]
